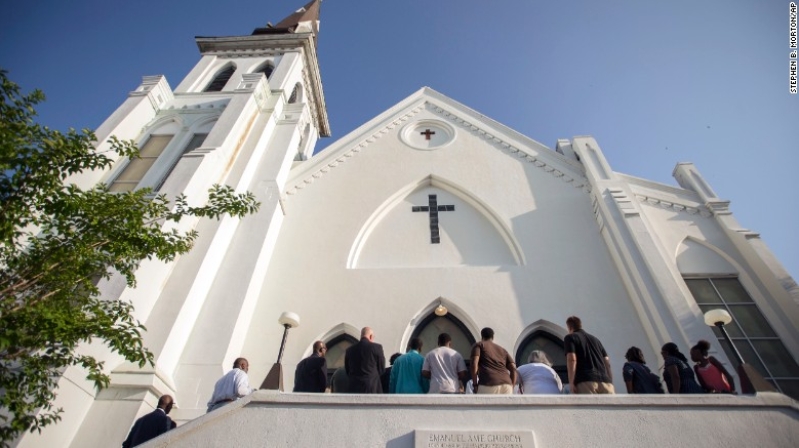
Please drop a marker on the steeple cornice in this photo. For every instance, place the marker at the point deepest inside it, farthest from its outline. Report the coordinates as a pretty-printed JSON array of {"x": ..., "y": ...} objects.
[{"x": 241, "y": 45}]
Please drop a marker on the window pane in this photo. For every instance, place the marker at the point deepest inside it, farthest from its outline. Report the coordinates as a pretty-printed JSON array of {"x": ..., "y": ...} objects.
[
  {"x": 731, "y": 290},
  {"x": 335, "y": 354},
  {"x": 118, "y": 187},
  {"x": 790, "y": 388},
  {"x": 750, "y": 357},
  {"x": 135, "y": 170},
  {"x": 155, "y": 145},
  {"x": 702, "y": 291},
  {"x": 778, "y": 360},
  {"x": 732, "y": 328},
  {"x": 751, "y": 321}
]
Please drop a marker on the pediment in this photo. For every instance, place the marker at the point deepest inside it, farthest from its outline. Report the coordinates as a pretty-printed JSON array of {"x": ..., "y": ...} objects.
[
  {"x": 449, "y": 114},
  {"x": 467, "y": 232}
]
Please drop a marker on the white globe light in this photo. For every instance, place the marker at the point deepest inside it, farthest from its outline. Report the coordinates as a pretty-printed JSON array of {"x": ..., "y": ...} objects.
[
  {"x": 290, "y": 319},
  {"x": 713, "y": 317}
]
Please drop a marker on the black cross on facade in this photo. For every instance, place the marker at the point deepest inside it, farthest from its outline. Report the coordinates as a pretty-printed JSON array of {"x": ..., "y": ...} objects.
[
  {"x": 433, "y": 208},
  {"x": 427, "y": 133}
]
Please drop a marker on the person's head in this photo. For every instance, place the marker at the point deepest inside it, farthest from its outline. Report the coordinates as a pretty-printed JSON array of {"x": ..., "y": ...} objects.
[
  {"x": 539, "y": 357},
  {"x": 444, "y": 340},
  {"x": 394, "y": 358},
  {"x": 634, "y": 354},
  {"x": 416, "y": 344},
  {"x": 166, "y": 402},
  {"x": 487, "y": 334},
  {"x": 320, "y": 348},
  {"x": 700, "y": 351},
  {"x": 573, "y": 323},
  {"x": 367, "y": 333},
  {"x": 241, "y": 363},
  {"x": 670, "y": 349}
]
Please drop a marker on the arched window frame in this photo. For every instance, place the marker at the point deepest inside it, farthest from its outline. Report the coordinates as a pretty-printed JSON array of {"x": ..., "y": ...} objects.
[
  {"x": 221, "y": 78},
  {"x": 267, "y": 68},
  {"x": 450, "y": 317},
  {"x": 165, "y": 127},
  {"x": 560, "y": 369},
  {"x": 343, "y": 337},
  {"x": 296, "y": 94}
]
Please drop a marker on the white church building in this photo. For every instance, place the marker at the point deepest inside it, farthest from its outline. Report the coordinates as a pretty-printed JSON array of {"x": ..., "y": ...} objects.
[{"x": 428, "y": 204}]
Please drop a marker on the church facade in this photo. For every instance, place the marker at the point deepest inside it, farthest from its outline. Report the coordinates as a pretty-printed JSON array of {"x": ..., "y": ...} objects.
[{"x": 430, "y": 217}]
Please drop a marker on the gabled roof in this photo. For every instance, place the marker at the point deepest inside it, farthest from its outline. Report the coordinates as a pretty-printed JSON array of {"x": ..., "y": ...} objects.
[
  {"x": 513, "y": 143},
  {"x": 308, "y": 14}
]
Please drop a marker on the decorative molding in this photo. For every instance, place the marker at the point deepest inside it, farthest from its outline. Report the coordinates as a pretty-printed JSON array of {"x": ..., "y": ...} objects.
[
  {"x": 623, "y": 202},
  {"x": 671, "y": 205},
  {"x": 353, "y": 151},
  {"x": 579, "y": 182},
  {"x": 508, "y": 147}
]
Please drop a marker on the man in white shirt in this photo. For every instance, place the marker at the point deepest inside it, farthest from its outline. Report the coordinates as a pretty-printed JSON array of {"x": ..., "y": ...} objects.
[
  {"x": 232, "y": 386},
  {"x": 444, "y": 367}
]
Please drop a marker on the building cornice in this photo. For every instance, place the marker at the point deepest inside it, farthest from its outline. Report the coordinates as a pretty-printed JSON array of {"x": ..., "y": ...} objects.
[{"x": 245, "y": 46}]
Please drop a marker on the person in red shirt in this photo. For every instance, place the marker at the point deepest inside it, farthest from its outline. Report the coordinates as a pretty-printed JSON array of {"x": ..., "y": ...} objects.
[{"x": 712, "y": 375}]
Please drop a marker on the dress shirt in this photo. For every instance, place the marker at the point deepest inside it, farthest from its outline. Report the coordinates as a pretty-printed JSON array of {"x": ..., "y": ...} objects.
[{"x": 230, "y": 387}]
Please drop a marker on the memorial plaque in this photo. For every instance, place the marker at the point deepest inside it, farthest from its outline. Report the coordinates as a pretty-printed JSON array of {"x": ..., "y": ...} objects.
[{"x": 429, "y": 438}]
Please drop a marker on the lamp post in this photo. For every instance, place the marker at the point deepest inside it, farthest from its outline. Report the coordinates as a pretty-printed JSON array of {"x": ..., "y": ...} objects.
[
  {"x": 752, "y": 381},
  {"x": 274, "y": 379}
]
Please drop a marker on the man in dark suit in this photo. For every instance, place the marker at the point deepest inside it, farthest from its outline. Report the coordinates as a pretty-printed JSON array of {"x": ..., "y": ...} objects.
[
  {"x": 311, "y": 373},
  {"x": 151, "y": 425},
  {"x": 364, "y": 363}
]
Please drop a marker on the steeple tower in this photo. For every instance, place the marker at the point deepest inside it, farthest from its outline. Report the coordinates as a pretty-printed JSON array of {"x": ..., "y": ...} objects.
[{"x": 250, "y": 109}]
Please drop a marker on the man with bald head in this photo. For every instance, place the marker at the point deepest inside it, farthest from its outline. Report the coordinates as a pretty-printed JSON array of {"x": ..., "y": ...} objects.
[
  {"x": 151, "y": 425},
  {"x": 364, "y": 362},
  {"x": 232, "y": 386},
  {"x": 311, "y": 372}
]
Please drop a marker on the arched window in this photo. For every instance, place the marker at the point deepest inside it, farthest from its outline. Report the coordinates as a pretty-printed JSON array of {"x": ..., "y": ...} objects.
[
  {"x": 549, "y": 344},
  {"x": 266, "y": 69},
  {"x": 221, "y": 79},
  {"x": 194, "y": 143},
  {"x": 296, "y": 94},
  {"x": 336, "y": 348},
  {"x": 136, "y": 168},
  {"x": 750, "y": 331},
  {"x": 432, "y": 326}
]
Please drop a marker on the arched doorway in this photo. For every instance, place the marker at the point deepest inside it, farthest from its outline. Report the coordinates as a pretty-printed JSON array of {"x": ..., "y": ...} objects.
[
  {"x": 549, "y": 344},
  {"x": 336, "y": 348},
  {"x": 432, "y": 325}
]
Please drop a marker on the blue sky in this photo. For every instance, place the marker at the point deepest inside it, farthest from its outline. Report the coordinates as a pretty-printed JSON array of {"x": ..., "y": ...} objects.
[{"x": 655, "y": 82}]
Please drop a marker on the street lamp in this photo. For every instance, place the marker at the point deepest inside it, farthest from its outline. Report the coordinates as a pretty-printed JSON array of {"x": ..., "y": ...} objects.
[
  {"x": 274, "y": 379},
  {"x": 752, "y": 381}
]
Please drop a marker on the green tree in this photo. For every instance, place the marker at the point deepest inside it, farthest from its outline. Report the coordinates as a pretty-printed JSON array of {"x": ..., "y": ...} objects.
[{"x": 56, "y": 242}]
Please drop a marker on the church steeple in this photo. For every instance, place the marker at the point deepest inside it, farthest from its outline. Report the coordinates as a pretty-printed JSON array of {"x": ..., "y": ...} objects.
[{"x": 303, "y": 20}]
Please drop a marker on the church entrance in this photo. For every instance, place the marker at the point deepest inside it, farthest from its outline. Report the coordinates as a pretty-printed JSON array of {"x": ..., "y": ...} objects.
[
  {"x": 549, "y": 344},
  {"x": 433, "y": 325},
  {"x": 336, "y": 348}
]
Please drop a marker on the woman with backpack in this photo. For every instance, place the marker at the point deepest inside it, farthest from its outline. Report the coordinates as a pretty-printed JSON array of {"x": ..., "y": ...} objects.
[
  {"x": 679, "y": 376},
  {"x": 637, "y": 376}
]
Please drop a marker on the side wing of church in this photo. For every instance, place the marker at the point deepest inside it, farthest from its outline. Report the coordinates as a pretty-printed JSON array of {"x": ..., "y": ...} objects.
[{"x": 430, "y": 205}]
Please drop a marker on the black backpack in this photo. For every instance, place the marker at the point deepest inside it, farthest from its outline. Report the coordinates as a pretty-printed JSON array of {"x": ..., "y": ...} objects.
[{"x": 644, "y": 381}]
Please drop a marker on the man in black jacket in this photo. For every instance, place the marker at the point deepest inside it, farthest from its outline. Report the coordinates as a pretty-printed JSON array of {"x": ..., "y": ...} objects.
[
  {"x": 151, "y": 425},
  {"x": 311, "y": 373},
  {"x": 364, "y": 363}
]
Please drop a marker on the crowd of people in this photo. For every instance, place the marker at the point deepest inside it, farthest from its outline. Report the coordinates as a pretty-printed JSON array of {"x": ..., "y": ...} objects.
[{"x": 492, "y": 371}]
